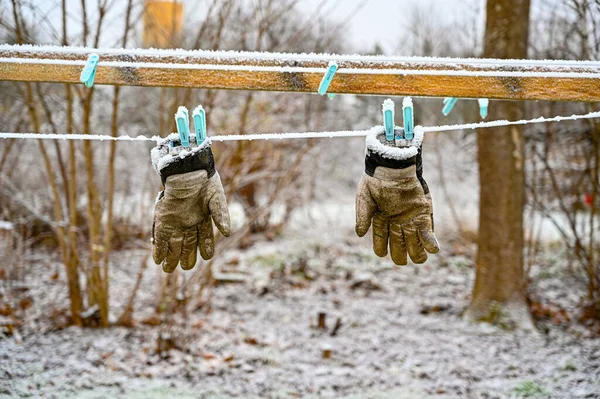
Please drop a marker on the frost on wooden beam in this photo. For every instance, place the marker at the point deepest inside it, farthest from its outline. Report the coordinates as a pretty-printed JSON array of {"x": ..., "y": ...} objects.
[{"x": 439, "y": 77}]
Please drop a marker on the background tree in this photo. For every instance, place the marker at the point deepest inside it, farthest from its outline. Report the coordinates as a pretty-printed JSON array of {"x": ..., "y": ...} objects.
[{"x": 499, "y": 294}]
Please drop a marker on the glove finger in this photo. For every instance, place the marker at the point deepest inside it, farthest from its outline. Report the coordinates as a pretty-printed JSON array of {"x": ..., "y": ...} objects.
[
  {"x": 190, "y": 249},
  {"x": 174, "y": 253},
  {"x": 397, "y": 245},
  {"x": 413, "y": 245},
  {"x": 206, "y": 239},
  {"x": 430, "y": 243},
  {"x": 380, "y": 236},
  {"x": 365, "y": 208},
  {"x": 219, "y": 210},
  {"x": 160, "y": 244}
]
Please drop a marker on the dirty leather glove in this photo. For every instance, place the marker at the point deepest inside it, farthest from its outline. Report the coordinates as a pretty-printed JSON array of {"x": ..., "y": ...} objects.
[
  {"x": 192, "y": 194},
  {"x": 393, "y": 197}
]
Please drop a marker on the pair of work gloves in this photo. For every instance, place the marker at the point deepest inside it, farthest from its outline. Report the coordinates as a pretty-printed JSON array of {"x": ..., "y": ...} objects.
[{"x": 392, "y": 197}]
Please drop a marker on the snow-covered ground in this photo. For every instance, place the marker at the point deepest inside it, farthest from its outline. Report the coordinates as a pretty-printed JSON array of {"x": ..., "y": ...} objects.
[{"x": 401, "y": 334}]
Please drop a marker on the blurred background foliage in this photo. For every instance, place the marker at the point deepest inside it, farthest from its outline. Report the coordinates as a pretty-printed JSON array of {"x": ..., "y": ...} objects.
[{"x": 85, "y": 203}]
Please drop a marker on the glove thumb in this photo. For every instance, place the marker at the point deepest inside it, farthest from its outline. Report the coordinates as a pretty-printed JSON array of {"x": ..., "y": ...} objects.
[
  {"x": 430, "y": 243},
  {"x": 365, "y": 208},
  {"x": 218, "y": 208}
]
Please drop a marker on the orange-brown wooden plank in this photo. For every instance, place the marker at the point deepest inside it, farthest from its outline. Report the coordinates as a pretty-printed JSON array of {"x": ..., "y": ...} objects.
[{"x": 513, "y": 88}]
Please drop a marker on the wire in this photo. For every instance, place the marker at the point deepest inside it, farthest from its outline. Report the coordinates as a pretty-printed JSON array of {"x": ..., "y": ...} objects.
[{"x": 306, "y": 135}]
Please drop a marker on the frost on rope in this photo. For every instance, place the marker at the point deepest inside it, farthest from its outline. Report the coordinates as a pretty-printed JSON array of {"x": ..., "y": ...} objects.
[
  {"x": 305, "y": 135},
  {"x": 375, "y": 142},
  {"x": 87, "y": 137}
]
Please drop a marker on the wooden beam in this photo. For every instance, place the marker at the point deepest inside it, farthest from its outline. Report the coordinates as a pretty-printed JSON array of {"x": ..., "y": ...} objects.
[{"x": 526, "y": 80}]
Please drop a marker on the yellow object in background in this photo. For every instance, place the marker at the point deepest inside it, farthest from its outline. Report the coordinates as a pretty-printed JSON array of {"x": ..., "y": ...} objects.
[{"x": 162, "y": 23}]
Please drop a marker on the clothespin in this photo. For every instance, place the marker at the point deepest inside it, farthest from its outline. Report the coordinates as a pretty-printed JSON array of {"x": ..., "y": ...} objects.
[
  {"x": 89, "y": 71},
  {"x": 183, "y": 125},
  {"x": 388, "y": 119},
  {"x": 408, "y": 118},
  {"x": 449, "y": 103},
  {"x": 327, "y": 78},
  {"x": 199, "y": 117},
  {"x": 483, "y": 107}
]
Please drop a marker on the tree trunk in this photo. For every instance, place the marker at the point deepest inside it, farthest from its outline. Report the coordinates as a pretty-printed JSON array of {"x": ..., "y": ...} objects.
[{"x": 499, "y": 293}]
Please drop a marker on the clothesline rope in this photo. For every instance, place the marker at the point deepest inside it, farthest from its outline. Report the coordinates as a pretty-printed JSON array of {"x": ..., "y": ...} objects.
[{"x": 305, "y": 135}]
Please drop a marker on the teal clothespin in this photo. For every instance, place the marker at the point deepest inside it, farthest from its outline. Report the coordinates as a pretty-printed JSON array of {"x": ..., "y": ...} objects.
[
  {"x": 88, "y": 74},
  {"x": 388, "y": 119},
  {"x": 327, "y": 78},
  {"x": 199, "y": 117},
  {"x": 408, "y": 117},
  {"x": 449, "y": 103},
  {"x": 483, "y": 107},
  {"x": 183, "y": 125}
]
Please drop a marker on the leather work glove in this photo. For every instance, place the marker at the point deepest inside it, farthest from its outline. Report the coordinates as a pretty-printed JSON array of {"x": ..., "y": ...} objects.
[
  {"x": 393, "y": 196},
  {"x": 192, "y": 194}
]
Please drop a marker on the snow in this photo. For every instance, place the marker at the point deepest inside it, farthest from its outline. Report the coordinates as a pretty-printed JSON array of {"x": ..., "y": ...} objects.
[
  {"x": 377, "y": 134},
  {"x": 402, "y": 335},
  {"x": 39, "y": 50},
  {"x": 387, "y": 104}
]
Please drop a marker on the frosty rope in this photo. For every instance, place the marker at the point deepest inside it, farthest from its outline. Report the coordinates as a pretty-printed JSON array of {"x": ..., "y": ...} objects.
[{"x": 307, "y": 135}]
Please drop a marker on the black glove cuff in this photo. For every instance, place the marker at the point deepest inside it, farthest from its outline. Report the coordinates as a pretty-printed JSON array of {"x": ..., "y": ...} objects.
[
  {"x": 379, "y": 152},
  {"x": 200, "y": 160},
  {"x": 373, "y": 160}
]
